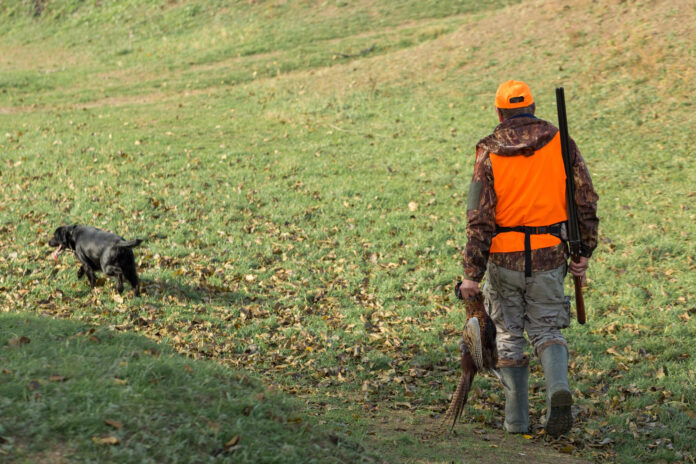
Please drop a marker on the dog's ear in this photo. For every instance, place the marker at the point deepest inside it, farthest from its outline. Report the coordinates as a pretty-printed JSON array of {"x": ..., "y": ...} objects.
[
  {"x": 66, "y": 236},
  {"x": 69, "y": 235},
  {"x": 61, "y": 233}
]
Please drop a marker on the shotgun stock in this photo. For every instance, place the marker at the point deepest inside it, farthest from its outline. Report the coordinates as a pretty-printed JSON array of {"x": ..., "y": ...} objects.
[{"x": 574, "y": 244}]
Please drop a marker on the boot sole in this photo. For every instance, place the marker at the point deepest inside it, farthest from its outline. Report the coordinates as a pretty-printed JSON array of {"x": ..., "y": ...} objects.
[{"x": 561, "y": 417}]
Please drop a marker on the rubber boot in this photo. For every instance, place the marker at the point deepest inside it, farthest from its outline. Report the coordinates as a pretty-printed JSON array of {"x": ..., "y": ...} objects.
[
  {"x": 516, "y": 398},
  {"x": 559, "y": 417}
]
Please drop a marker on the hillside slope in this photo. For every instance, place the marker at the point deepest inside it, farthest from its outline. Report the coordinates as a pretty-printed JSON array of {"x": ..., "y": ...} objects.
[{"x": 299, "y": 170}]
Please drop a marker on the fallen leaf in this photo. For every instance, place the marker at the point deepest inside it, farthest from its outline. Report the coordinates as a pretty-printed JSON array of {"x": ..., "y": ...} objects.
[
  {"x": 113, "y": 423},
  {"x": 413, "y": 206},
  {"x": 110, "y": 440},
  {"x": 612, "y": 351},
  {"x": 57, "y": 378},
  {"x": 604, "y": 442},
  {"x": 18, "y": 341},
  {"x": 661, "y": 373},
  {"x": 234, "y": 441}
]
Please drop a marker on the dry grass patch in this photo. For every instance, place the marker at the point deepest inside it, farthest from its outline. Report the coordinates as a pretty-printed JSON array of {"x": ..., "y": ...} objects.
[
  {"x": 30, "y": 57},
  {"x": 335, "y": 9},
  {"x": 128, "y": 76},
  {"x": 651, "y": 42},
  {"x": 647, "y": 41}
]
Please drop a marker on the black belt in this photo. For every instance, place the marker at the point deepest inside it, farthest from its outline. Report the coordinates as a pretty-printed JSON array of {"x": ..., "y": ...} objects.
[{"x": 553, "y": 229}]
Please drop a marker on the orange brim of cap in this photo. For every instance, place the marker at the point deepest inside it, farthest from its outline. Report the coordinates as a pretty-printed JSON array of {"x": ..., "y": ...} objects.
[{"x": 513, "y": 94}]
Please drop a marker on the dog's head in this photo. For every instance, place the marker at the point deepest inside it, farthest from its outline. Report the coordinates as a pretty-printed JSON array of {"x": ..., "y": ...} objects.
[{"x": 63, "y": 239}]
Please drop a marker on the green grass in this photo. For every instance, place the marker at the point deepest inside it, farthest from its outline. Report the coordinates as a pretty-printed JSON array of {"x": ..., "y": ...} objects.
[
  {"x": 66, "y": 387},
  {"x": 268, "y": 153}
]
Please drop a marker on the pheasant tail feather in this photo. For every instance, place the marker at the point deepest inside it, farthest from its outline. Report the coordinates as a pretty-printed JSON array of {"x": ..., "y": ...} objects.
[{"x": 461, "y": 394}]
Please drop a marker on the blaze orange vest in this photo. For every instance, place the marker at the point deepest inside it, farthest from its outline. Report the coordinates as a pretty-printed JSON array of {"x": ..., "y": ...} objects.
[{"x": 531, "y": 192}]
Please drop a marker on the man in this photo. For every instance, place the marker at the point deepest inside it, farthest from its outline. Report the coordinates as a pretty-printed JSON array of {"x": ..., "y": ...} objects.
[{"x": 519, "y": 180}]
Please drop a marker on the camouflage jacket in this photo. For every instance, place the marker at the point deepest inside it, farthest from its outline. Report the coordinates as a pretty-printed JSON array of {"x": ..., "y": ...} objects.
[{"x": 521, "y": 136}]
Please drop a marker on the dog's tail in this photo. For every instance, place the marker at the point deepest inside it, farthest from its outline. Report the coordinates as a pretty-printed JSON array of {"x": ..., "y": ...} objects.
[{"x": 130, "y": 243}]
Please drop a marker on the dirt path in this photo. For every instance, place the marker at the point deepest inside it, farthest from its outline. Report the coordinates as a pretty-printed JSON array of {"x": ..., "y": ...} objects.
[{"x": 400, "y": 436}]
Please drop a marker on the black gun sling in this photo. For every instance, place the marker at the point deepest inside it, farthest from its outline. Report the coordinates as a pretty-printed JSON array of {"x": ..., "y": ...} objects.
[{"x": 553, "y": 229}]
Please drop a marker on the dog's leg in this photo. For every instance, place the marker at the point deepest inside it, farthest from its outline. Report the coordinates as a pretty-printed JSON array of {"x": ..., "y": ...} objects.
[
  {"x": 135, "y": 283},
  {"x": 90, "y": 276},
  {"x": 85, "y": 267},
  {"x": 115, "y": 271},
  {"x": 132, "y": 277}
]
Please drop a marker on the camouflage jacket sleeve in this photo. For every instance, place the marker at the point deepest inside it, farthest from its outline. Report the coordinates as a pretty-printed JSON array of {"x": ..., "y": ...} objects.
[
  {"x": 586, "y": 201},
  {"x": 480, "y": 217}
]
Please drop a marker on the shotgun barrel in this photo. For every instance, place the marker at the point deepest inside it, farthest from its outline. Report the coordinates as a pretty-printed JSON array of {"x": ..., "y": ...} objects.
[{"x": 574, "y": 243}]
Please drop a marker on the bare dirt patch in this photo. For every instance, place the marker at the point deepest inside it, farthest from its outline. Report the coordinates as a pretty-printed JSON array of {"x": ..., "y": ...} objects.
[{"x": 403, "y": 436}]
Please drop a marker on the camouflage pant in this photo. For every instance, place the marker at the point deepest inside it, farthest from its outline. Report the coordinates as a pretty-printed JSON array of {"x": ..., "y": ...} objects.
[{"x": 533, "y": 304}]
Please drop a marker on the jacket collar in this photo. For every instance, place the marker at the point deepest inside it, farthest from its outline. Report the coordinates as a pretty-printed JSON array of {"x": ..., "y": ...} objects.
[{"x": 523, "y": 135}]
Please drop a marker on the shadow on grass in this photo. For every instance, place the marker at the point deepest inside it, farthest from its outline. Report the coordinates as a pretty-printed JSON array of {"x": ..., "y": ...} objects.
[
  {"x": 88, "y": 393},
  {"x": 163, "y": 287}
]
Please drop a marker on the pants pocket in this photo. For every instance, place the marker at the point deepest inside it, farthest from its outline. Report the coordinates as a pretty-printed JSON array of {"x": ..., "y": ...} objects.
[
  {"x": 547, "y": 305},
  {"x": 491, "y": 299},
  {"x": 563, "y": 320},
  {"x": 546, "y": 287}
]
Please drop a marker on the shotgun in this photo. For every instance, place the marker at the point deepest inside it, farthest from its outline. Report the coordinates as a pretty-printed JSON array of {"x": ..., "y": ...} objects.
[{"x": 573, "y": 228}]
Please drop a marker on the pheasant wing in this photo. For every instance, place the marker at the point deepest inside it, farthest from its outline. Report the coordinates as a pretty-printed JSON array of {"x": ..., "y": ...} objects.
[{"x": 472, "y": 341}]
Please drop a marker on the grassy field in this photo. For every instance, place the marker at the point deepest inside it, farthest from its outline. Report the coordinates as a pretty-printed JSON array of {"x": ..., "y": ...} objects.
[
  {"x": 299, "y": 172},
  {"x": 74, "y": 392}
]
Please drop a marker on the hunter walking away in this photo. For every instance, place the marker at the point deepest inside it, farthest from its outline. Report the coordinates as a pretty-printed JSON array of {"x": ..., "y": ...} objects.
[{"x": 517, "y": 236}]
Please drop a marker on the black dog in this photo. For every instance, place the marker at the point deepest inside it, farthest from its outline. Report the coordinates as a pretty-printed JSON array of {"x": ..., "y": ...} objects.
[{"x": 99, "y": 250}]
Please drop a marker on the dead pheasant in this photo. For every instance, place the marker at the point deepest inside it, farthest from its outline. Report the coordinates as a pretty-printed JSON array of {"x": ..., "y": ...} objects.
[{"x": 479, "y": 353}]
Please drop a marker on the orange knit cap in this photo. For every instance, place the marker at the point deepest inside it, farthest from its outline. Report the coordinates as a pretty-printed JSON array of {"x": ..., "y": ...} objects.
[{"x": 513, "y": 94}]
